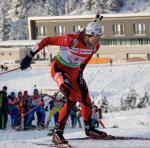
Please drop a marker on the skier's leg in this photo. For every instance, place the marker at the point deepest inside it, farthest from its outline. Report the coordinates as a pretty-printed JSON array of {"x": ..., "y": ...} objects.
[
  {"x": 63, "y": 116},
  {"x": 68, "y": 91},
  {"x": 86, "y": 110},
  {"x": 66, "y": 81},
  {"x": 85, "y": 100},
  {"x": 66, "y": 87}
]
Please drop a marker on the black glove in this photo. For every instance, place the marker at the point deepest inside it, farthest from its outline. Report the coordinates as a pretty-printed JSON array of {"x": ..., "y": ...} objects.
[{"x": 26, "y": 61}]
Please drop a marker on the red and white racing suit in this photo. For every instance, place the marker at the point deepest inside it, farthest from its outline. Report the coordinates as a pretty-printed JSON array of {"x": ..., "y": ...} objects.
[{"x": 67, "y": 70}]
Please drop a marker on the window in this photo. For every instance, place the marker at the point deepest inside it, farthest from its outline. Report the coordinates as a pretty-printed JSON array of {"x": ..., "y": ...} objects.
[
  {"x": 137, "y": 41},
  {"x": 139, "y": 29},
  {"x": 118, "y": 29},
  {"x": 59, "y": 30},
  {"x": 103, "y": 29},
  {"x": 41, "y": 31}
]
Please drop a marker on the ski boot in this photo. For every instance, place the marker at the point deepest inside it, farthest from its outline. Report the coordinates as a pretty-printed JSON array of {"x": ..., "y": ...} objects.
[
  {"x": 93, "y": 133},
  {"x": 58, "y": 137}
]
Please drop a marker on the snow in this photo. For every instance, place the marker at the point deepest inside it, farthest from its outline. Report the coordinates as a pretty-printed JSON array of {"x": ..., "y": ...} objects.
[
  {"x": 111, "y": 81},
  {"x": 103, "y": 80},
  {"x": 135, "y": 6},
  {"x": 130, "y": 123}
]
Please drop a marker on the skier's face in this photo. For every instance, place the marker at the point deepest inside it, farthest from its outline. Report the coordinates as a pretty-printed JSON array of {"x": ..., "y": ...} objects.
[{"x": 93, "y": 40}]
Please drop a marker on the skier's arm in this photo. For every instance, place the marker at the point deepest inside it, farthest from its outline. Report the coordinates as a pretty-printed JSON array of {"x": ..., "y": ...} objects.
[{"x": 57, "y": 41}]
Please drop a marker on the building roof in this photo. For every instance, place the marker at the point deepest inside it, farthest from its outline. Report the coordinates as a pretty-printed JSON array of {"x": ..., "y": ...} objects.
[{"x": 89, "y": 16}]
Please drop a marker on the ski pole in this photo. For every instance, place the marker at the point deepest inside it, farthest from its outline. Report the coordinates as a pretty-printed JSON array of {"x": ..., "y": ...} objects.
[
  {"x": 50, "y": 97},
  {"x": 28, "y": 112},
  {"x": 9, "y": 71},
  {"x": 34, "y": 108}
]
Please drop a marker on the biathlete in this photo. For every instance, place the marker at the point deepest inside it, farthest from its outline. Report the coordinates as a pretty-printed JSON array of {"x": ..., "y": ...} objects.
[{"x": 76, "y": 49}]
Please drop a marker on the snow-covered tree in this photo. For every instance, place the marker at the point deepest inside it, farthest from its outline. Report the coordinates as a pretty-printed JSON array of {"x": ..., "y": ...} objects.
[
  {"x": 116, "y": 5},
  {"x": 70, "y": 5},
  {"x": 130, "y": 101},
  {"x": 5, "y": 20},
  {"x": 144, "y": 101}
]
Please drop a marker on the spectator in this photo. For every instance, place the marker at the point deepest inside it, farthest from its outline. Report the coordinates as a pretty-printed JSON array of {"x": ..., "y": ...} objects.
[
  {"x": 37, "y": 106},
  {"x": 44, "y": 54},
  {"x": 13, "y": 109},
  {"x": 96, "y": 116},
  {"x": 20, "y": 108},
  {"x": 27, "y": 105},
  {"x": 2, "y": 67},
  {"x": 78, "y": 112},
  {"x": 73, "y": 117},
  {"x": 111, "y": 61},
  {"x": 56, "y": 104},
  {"x": 5, "y": 67},
  {"x": 38, "y": 102},
  {"x": 3, "y": 108}
]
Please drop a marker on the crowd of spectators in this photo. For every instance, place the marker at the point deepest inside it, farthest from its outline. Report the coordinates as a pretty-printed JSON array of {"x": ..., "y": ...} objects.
[{"x": 23, "y": 108}]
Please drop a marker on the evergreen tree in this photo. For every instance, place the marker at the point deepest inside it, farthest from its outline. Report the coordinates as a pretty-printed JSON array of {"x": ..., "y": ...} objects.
[{"x": 5, "y": 20}]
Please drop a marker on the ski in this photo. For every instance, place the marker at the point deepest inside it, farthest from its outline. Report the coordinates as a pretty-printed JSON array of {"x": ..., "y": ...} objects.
[
  {"x": 110, "y": 137},
  {"x": 54, "y": 145}
]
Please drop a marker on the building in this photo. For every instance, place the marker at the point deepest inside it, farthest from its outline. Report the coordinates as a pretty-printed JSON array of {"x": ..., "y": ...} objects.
[
  {"x": 126, "y": 36},
  {"x": 12, "y": 51}
]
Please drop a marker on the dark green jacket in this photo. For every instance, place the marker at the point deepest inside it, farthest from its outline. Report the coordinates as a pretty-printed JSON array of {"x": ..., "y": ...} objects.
[{"x": 3, "y": 101}]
